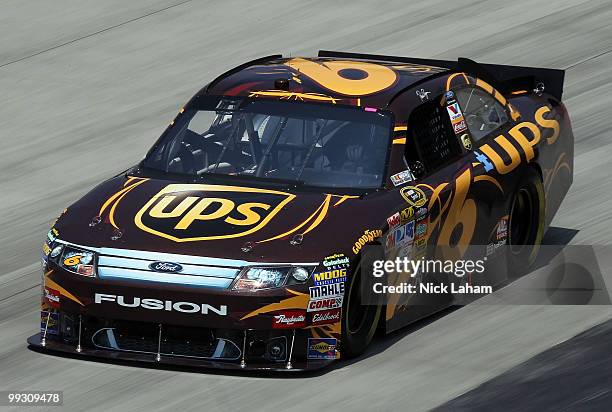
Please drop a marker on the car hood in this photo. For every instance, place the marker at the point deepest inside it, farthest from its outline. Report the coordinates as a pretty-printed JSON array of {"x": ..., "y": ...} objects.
[{"x": 252, "y": 223}]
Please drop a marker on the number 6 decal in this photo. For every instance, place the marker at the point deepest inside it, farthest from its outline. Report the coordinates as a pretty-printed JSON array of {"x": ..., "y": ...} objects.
[{"x": 347, "y": 77}]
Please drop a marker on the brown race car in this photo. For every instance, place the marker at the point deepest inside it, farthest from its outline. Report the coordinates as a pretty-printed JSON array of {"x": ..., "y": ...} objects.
[{"x": 237, "y": 242}]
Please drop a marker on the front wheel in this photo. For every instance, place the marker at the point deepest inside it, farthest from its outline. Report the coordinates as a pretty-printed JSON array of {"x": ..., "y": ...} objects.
[{"x": 359, "y": 322}]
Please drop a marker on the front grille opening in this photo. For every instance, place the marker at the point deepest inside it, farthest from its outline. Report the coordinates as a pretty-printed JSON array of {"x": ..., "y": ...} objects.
[{"x": 175, "y": 341}]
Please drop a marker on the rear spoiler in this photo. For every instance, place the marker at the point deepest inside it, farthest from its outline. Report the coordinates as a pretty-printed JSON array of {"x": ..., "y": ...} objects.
[{"x": 504, "y": 78}]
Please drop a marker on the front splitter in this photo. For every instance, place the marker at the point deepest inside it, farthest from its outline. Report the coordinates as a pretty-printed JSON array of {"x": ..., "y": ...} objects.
[{"x": 51, "y": 346}]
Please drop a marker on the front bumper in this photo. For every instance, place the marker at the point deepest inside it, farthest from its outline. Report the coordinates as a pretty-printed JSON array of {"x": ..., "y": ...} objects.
[{"x": 181, "y": 325}]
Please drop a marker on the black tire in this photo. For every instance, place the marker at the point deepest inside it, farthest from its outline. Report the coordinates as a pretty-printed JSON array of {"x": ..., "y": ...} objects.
[
  {"x": 526, "y": 223},
  {"x": 359, "y": 322}
]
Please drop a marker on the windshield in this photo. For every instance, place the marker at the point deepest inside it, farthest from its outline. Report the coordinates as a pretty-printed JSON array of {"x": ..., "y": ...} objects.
[{"x": 305, "y": 143}]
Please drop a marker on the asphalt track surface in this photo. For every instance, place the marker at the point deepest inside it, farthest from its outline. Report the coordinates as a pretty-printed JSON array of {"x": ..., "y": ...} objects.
[{"x": 86, "y": 87}]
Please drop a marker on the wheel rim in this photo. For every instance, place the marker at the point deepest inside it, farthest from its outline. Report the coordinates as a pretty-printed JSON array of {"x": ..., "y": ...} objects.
[{"x": 521, "y": 221}]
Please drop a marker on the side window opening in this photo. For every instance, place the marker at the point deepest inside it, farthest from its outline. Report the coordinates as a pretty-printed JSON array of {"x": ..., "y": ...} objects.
[
  {"x": 483, "y": 114},
  {"x": 432, "y": 134}
]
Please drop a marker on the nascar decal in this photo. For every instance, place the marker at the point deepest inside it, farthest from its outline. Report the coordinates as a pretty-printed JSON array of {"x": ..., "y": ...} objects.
[
  {"x": 322, "y": 348},
  {"x": 414, "y": 196},
  {"x": 194, "y": 212},
  {"x": 350, "y": 78}
]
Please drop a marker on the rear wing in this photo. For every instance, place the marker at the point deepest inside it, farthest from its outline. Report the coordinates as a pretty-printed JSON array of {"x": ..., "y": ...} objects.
[{"x": 504, "y": 78}]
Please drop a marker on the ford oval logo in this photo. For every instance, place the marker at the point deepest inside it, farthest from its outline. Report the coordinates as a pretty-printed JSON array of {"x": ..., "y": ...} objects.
[{"x": 166, "y": 267}]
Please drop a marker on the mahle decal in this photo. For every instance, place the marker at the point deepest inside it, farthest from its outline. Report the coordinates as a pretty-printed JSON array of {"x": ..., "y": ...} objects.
[{"x": 193, "y": 212}]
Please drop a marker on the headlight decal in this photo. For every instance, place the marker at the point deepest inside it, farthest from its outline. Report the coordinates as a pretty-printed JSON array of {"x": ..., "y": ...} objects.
[
  {"x": 255, "y": 278},
  {"x": 75, "y": 260}
]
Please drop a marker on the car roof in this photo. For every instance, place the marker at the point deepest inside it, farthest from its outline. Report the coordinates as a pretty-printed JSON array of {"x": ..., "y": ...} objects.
[{"x": 363, "y": 82}]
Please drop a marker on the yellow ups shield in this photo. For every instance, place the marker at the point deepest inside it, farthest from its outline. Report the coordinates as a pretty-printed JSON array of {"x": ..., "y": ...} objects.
[{"x": 194, "y": 212}]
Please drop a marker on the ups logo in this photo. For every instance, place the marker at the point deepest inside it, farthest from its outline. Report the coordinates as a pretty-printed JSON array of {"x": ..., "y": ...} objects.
[{"x": 193, "y": 212}]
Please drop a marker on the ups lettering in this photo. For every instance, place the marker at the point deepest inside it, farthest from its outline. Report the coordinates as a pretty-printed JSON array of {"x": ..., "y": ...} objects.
[
  {"x": 196, "y": 212},
  {"x": 193, "y": 208},
  {"x": 527, "y": 135}
]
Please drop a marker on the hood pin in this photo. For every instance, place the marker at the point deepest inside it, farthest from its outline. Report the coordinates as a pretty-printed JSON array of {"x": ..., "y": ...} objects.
[
  {"x": 247, "y": 247},
  {"x": 297, "y": 240},
  {"x": 117, "y": 234},
  {"x": 96, "y": 220}
]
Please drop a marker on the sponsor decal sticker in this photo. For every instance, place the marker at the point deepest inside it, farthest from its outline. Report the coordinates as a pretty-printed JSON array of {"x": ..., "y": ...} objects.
[
  {"x": 454, "y": 112},
  {"x": 322, "y": 348},
  {"x": 492, "y": 247},
  {"x": 402, "y": 177},
  {"x": 394, "y": 220},
  {"x": 326, "y": 291},
  {"x": 289, "y": 319},
  {"x": 52, "y": 297},
  {"x": 324, "y": 304},
  {"x": 420, "y": 242},
  {"x": 465, "y": 140},
  {"x": 336, "y": 261},
  {"x": 414, "y": 196},
  {"x": 459, "y": 127},
  {"x": 367, "y": 237},
  {"x": 52, "y": 325},
  {"x": 404, "y": 235},
  {"x": 421, "y": 228},
  {"x": 196, "y": 212},
  {"x": 406, "y": 215},
  {"x": 404, "y": 251},
  {"x": 502, "y": 228},
  {"x": 422, "y": 211},
  {"x": 326, "y": 317},
  {"x": 330, "y": 276}
]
